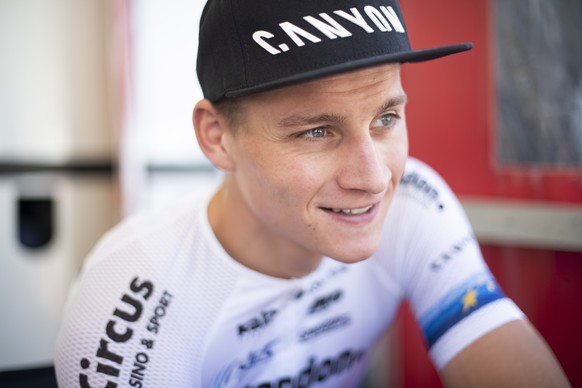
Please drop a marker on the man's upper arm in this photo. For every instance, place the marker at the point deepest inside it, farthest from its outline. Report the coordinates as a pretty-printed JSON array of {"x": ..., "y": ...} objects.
[{"x": 512, "y": 355}]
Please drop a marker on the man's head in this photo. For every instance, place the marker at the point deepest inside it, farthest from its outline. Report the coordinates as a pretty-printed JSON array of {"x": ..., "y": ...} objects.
[
  {"x": 310, "y": 168},
  {"x": 305, "y": 114}
]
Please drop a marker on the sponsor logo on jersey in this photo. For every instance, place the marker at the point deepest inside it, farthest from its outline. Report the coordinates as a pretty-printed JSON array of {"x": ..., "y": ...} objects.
[
  {"x": 324, "y": 327},
  {"x": 265, "y": 318},
  {"x": 119, "y": 330},
  {"x": 236, "y": 371},
  {"x": 324, "y": 302},
  {"x": 319, "y": 283},
  {"x": 341, "y": 24},
  {"x": 257, "y": 323},
  {"x": 317, "y": 371},
  {"x": 422, "y": 190},
  {"x": 480, "y": 290},
  {"x": 454, "y": 251},
  {"x": 160, "y": 311}
]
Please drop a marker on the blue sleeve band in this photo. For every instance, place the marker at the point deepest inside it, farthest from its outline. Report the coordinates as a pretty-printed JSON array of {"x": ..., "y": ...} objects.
[{"x": 480, "y": 290}]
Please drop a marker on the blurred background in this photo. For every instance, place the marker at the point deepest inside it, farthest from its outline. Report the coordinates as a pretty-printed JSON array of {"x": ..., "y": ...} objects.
[{"x": 95, "y": 124}]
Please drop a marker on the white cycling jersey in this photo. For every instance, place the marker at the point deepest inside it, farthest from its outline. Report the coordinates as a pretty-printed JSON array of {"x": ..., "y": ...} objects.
[{"x": 159, "y": 303}]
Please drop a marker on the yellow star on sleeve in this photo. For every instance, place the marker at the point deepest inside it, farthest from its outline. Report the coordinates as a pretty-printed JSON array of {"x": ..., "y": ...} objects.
[{"x": 469, "y": 300}]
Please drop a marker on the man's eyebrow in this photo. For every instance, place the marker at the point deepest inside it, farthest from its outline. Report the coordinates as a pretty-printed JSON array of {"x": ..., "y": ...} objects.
[
  {"x": 298, "y": 120},
  {"x": 392, "y": 102}
]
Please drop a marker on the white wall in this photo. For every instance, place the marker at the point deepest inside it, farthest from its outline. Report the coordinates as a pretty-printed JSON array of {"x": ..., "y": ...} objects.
[
  {"x": 53, "y": 84},
  {"x": 34, "y": 283},
  {"x": 55, "y": 112},
  {"x": 165, "y": 85},
  {"x": 167, "y": 162}
]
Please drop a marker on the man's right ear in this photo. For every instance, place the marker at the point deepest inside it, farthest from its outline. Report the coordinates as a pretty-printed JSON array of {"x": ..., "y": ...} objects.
[{"x": 211, "y": 132}]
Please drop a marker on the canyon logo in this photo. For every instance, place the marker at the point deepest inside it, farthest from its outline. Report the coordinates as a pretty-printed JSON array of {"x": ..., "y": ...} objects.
[{"x": 384, "y": 19}]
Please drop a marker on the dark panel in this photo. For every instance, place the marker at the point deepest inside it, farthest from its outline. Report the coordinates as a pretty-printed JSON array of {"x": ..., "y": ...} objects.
[{"x": 539, "y": 81}]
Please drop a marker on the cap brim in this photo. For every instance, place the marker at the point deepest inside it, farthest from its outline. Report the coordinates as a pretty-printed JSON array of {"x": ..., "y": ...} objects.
[{"x": 400, "y": 57}]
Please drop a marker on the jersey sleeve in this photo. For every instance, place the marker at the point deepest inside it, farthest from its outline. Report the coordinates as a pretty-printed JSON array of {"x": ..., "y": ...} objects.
[
  {"x": 104, "y": 335},
  {"x": 130, "y": 316},
  {"x": 452, "y": 293}
]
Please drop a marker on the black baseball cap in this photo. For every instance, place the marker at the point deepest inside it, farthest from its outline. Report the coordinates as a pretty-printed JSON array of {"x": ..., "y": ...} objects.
[{"x": 250, "y": 46}]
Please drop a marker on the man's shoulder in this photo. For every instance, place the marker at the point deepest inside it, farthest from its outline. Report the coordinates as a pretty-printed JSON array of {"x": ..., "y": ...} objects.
[
  {"x": 152, "y": 230},
  {"x": 418, "y": 174},
  {"x": 145, "y": 281},
  {"x": 423, "y": 185}
]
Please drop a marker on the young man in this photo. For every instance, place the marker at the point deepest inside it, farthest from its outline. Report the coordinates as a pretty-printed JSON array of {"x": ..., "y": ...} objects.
[{"x": 289, "y": 274}]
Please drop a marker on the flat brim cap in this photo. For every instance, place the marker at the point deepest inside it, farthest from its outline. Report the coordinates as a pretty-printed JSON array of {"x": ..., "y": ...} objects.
[{"x": 250, "y": 46}]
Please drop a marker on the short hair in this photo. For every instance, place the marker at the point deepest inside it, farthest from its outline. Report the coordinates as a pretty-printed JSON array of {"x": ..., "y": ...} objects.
[{"x": 233, "y": 110}]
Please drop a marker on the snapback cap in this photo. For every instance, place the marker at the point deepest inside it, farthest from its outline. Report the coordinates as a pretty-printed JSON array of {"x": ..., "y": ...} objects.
[{"x": 250, "y": 46}]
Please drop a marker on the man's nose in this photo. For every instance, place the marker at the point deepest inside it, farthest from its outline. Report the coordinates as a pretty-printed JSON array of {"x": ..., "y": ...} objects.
[{"x": 363, "y": 166}]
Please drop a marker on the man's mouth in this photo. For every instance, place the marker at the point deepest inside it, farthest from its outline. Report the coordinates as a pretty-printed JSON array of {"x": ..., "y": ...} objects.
[{"x": 354, "y": 211}]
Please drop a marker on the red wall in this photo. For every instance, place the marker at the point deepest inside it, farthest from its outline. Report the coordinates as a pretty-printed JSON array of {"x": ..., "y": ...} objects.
[
  {"x": 451, "y": 113},
  {"x": 451, "y": 120}
]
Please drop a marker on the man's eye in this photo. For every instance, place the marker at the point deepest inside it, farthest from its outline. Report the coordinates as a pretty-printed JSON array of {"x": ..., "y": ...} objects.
[
  {"x": 387, "y": 120},
  {"x": 314, "y": 133}
]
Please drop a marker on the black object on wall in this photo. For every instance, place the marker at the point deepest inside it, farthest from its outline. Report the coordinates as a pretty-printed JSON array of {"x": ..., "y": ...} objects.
[
  {"x": 35, "y": 221},
  {"x": 29, "y": 378}
]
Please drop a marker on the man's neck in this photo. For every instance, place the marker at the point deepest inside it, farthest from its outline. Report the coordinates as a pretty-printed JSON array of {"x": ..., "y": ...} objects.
[{"x": 245, "y": 241}]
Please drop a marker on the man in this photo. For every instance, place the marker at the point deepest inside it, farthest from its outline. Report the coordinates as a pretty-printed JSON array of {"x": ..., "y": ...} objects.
[{"x": 289, "y": 274}]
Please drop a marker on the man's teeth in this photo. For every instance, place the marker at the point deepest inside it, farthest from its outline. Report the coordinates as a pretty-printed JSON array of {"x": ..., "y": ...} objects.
[{"x": 360, "y": 210}]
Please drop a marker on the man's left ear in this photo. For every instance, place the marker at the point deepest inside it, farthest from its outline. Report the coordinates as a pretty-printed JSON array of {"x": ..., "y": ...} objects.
[{"x": 211, "y": 132}]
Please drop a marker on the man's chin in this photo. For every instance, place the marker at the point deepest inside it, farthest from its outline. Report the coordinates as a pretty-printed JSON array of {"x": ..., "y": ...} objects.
[
  {"x": 355, "y": 256},
  {"x": 351, "y": 260}
]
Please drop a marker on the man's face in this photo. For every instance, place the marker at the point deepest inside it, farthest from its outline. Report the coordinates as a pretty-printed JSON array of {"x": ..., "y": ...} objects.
[{"x": 316, "y": 164}]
